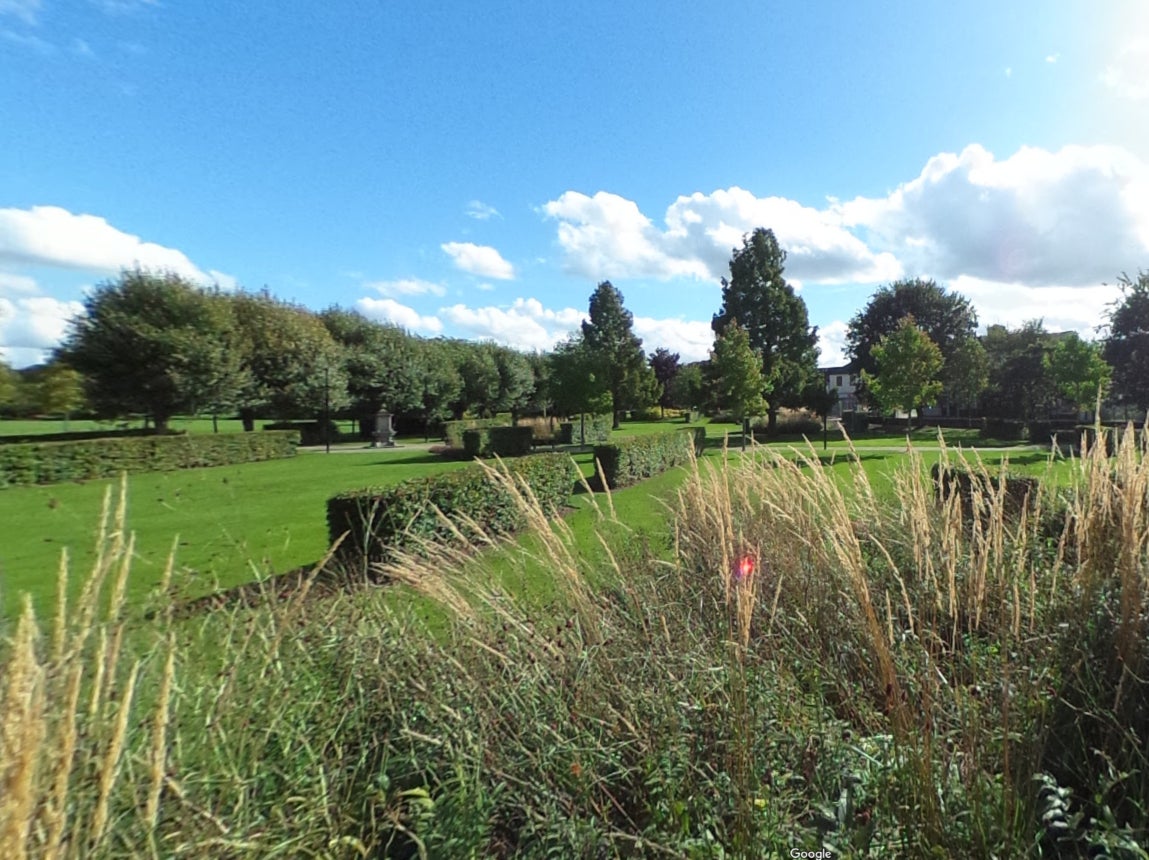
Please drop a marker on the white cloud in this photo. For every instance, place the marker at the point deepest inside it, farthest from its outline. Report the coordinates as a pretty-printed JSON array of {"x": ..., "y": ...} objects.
[
  {"x": 486, "y": 288},
  {"x": 25, "y": 10},
  {"x": 1063, "y": 308},
  {"x": 389, "y": 310},
  {"x": 832, "y": 343},
  {"x": 11, "y": 283},
  {"x": 608, "y": 236},
  {"x": 692, "y": 340},
  {"x": 481, "y": 260},
  {"x": 1009, "y": 71},
  {"x": 1052, "y": 58},
  {"x": 1128, "y": 74},
  {"x": 51, "y": 236},
  {"x": 1074, "y": 217},
  {"x": 480, "y": 211},
  {"x": 407, "y": 287},
  {"x": 30, "y": 326},
  {"x": 226, "y": 282},
  {"x": 526, "y": 324}
]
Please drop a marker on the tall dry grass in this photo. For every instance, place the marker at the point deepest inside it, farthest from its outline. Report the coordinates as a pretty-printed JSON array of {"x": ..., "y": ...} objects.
[{"x": 802, "y": 661}]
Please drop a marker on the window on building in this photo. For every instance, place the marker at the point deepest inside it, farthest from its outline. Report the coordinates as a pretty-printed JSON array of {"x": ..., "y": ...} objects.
[{"x": 838, "y": 384}]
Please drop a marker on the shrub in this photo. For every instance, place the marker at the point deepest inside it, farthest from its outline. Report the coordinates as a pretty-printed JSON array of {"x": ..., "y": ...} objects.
[
  {"x": 86, "y": 435},
  {"x": 52, "y": 462},
  {"x": 1000, "y": 428},
  {"x": 311, "y": 432},
  {"x": 1019, "y": 491},
  {"x": 378, "y": 520},
  {"x": 566, "y": 433},
  {"x": 498, "y": 441},
  {"x": 630, "y": 460},
  {"x": 453, "y": 430},
  {"x": 790, "y": 425}
]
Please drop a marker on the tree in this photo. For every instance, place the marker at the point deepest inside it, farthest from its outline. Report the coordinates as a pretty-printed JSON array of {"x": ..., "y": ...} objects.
[
  {"x": 293, "y": 366},
  {"x": 381, "y": 363},
  {"x": 9, "y": 384},
  {"x": 1078, "y": 371},
  {"x": 153, "y": 343},
  {"x": 616, "y": 352},
  {"x": 948, "y": 319},
  {"x": 576, "y": 386},
  {"x": 737, "y": 370},
  {"x": 1127, "y": 344},
  {"x": 1020, "y": 386},
  {"x": 688, "y": 389},
  {"x": 516, "y": 381},
  {"x": 480, "y": 374},
  {"x": 59, "y": 391},
  {"x": 966, "y": 373},
  {"x": 665, "y": 365},
  {"x": 908, "y": 371},
  {"x": 774, "y": 318},
  {"x": 438, "y": 380}
]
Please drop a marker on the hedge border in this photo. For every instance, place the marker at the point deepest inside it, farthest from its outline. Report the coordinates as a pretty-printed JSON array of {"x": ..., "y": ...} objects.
[
  {"x": 54, "y": 462},
  {"x": 378, "y": 521},
  {"x": 629, "y": 461}
]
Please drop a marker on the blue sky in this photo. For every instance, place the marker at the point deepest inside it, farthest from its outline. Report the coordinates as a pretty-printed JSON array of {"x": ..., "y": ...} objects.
[{"x": 475, "y": 169}]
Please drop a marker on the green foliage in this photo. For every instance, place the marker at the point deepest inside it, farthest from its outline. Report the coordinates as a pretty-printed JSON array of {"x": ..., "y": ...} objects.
[
  {"x": 1127, "y": 346},
  {"x": 666, "y": 366},
  {"x": 59, "y": 390},
  {"x": 688, "y": 390},
  {"x": 480, "y": 373},
  {"x": 154, "y": 344},
  {"x": 628, "y": 461},
  {"x": 1020, "y": 384},
  {"x": 52, "y": 462},
  {"x": 590, "y": 429},
  {"x": 9, "y": 385},
  {"x": 738, "y": 374},
  {"x": 615, "y": 352},
  {"x": 1078, "y": 371},
  {"x": 947, "y": 318},
  {"x": 576, "y": 382},
  {"x": 775, "y": 318},
  {"x": 85, "y": 435},
  {"x": 966, "y": 372},
  {"x": 380, "y": 520},
  {"x": 381, "y": 363},
  {"x": 291, "y": 363},
  {"x": 438, "y": 382},
  {"x": 453, "y": 430},
  {"x": 908, "y": 365},
  {"x": 498, "y": 442}
]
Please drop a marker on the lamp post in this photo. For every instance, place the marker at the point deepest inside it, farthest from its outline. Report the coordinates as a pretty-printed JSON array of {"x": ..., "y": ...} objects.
[{"x": 327, "y": 407}]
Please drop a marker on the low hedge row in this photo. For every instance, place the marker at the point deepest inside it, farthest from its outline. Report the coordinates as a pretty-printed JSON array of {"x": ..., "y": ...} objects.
[
  {"x": 589, "y": 429},
  {"x": 52, "y": 462},
  {"x": 453, "y": 430},
  {"x": 498, "y": 441},
  {"x": 628, "y": 461},
  {"x": 379, "y": 520},
  {"x": 86, "y": 435},
  {"x": 1018, "y": 490}
]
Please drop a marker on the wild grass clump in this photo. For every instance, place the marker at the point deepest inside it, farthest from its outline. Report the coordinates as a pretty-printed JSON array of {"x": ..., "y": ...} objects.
[{"x": 800, "y": 662}]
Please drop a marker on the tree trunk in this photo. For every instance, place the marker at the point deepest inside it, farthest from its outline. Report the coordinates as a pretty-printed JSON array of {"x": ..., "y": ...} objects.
[
  {"x": 248, "y": 418},
  {"x": 617, "y": 420},
  {"x": 771, "y": 420},
  {"x": 161, "y": 423}
]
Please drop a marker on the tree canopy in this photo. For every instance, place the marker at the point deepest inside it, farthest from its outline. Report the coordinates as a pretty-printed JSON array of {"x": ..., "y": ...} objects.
[
  {"x": 1078, "y": 371},
  {"x": 1020, "y": 385},
  {"x": 774, "y": 317},
  {"x": 665, "y": 365},
  {"x": 737, "y": 370},
  {"x": 616, "y": 352},
  {"x": 908, "y": 369},
  {"x": 1127, "y": 344},
  {"x": 153, "y": 343}
]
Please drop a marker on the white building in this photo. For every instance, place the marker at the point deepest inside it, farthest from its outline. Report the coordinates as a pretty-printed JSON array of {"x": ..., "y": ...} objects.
[{"x": 845, "y": 383}]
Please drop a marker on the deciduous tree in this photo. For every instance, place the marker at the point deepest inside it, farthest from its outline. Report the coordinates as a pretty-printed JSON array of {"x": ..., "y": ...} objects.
[
  {"x": 908, "y": 369},
  {"x": 1078, "y": 371},
  {"x": 966, "y": 373},
  {"x": 1127, "y": 344},
  {"x": 773, "y": 316},
  {"x": 737, "y": 369}
]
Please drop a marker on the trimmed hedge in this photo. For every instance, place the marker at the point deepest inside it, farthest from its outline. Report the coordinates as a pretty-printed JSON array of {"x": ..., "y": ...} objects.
[
  {"x": 86, "y": 435},
  {"x": 498, "y": 441},
  {"x": 628, "y": 461},
  {"x": 453, "y": 430},
  {"x": 379, "y": 520},
  {"x": 311, "y": 432},
  {"x": 1018, "y": 490},
  {"x": 52, "y": 462},
  {"x": 1004, "y": 429}
]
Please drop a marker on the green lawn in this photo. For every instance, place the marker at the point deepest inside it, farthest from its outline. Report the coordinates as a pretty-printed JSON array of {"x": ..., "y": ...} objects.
[{"x": 237, "y": 522}]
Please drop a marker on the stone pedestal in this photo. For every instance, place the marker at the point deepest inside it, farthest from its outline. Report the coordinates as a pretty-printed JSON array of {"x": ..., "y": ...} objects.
[{"x": 384, "y": 435}]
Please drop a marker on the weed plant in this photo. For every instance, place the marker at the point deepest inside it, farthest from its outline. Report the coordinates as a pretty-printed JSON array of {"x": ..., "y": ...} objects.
[{"x": 797, "y": 665}]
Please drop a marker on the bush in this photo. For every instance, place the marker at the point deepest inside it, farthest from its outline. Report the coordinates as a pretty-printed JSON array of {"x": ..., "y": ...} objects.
[
  {"x": 1018, "y": 490},
  {"x": 379, "y": 520},
  {"x": 498, "y": 442},
  {"x": 856, "y": 423},
  {"x": 311, "y": 432},
  {"x": 566, "y": 433},
  {"x": 1000, "y": 428},
  {"x": 52, "y": 462},
  {"x": 630, "y": 460},
  {"x": 790, "y": 425},
  {"x": 87, "y": 435},
  {"x": 453, "y": 430}
]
